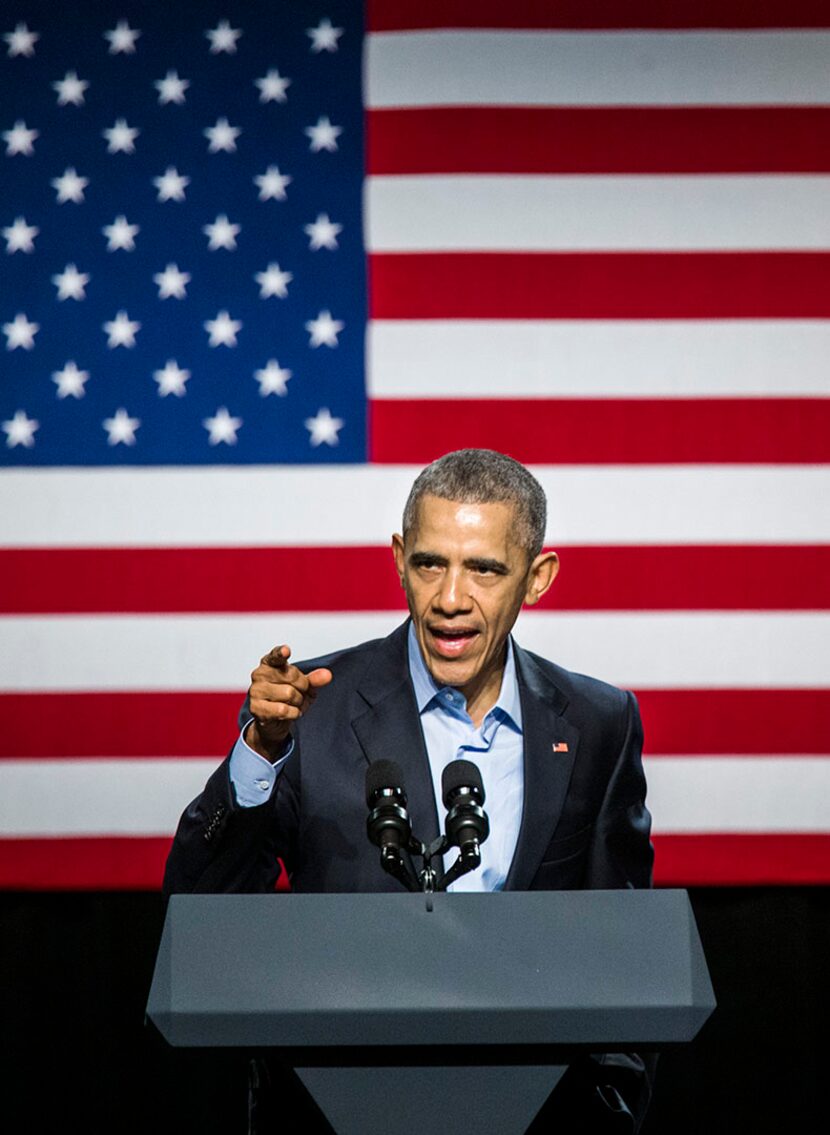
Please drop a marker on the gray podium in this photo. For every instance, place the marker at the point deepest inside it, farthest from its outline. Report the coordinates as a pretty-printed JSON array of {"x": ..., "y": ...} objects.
[{"x": 400, "y": 1018}]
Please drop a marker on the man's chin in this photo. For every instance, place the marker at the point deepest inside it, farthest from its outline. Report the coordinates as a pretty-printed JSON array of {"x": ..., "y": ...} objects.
[{"x": 451, "y": 672}]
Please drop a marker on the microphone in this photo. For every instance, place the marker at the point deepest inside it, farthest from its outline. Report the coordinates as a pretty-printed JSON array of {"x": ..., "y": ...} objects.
[
  {"x": 467, "y": 826},
  {"x": 388, "y": 824}
]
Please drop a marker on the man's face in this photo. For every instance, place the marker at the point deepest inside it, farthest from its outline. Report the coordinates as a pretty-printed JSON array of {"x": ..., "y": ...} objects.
[{"x": 466, "y": 578}]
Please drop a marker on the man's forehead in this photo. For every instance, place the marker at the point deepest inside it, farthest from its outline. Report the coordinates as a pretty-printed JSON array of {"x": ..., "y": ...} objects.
[{"x": 437, "y": 518}]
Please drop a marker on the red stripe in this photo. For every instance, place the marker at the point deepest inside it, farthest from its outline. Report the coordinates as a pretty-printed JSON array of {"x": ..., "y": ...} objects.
[
  {"x": 122, "y": 863},
  {"x": 158, "y": 580},
  {"x": 600, "y": 285},
  {"x": 398, "y": 15},
  {"x": 634, "y": 431},
  {"x": 147, "y": 580},
  {"x": 135, "y": 863},
  {"x": 564, "y": 140},
  {"x": 736, "y": 860},
  {"x": 736, "y": 722},
  {"x": 685, "y": 722},
  {"x": 119, "y": 724}
]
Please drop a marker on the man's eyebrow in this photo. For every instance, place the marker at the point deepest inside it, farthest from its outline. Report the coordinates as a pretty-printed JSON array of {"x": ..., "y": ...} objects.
[
  {"x": 485, "y": 564},
  {"x": 426, "y": 559}
]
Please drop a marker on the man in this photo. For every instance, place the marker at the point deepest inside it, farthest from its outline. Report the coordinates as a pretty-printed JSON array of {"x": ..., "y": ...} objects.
[{"x": 559, "y": 752}]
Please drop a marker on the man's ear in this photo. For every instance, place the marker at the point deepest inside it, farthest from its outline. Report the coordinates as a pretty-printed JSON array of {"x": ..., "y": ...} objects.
[
  {"x": 400, "y": 558},
  {"x": 540, "y": 576}
]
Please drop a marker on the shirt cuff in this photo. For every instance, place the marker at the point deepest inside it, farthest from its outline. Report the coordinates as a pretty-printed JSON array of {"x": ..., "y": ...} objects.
[{"x": 252, "y": 776}]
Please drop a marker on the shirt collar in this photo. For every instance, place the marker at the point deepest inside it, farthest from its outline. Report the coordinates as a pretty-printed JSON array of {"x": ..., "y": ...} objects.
[{"x": 427, "y": 689}]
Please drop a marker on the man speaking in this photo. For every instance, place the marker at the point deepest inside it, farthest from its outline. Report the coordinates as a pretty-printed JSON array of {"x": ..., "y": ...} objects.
[{"x": 559, "y": 753}]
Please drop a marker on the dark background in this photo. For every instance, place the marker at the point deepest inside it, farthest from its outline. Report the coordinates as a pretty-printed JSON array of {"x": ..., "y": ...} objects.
[{"x": 76, "y": 969}]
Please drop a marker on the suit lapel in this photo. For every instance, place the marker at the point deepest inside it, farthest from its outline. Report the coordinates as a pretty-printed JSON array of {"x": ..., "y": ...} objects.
[
  {"x": 547, "y": 773},
  {"x": 389, "y": 728}
]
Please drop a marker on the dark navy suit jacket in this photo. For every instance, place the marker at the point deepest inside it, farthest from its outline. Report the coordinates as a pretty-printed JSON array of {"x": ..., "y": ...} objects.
[{"x": 584, "y": 821}]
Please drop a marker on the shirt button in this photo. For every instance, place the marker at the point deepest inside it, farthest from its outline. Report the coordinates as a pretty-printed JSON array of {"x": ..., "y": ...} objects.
[{"x": 263, "y": 784}]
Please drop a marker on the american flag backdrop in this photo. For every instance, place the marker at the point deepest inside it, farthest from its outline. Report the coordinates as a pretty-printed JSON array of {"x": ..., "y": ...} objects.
[{"x": 264, "y": 260}]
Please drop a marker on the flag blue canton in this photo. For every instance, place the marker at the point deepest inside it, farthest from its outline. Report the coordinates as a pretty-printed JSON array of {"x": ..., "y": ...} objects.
[{"x": 183, "y": 280}]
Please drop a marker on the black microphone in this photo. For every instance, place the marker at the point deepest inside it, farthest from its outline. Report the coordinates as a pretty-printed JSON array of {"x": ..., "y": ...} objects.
[
  {"x": 388, "y": 824},
  {"x": 467, "y": 826}
]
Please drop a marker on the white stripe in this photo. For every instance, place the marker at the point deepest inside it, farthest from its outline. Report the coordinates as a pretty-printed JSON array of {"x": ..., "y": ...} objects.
[
  {"x": 536, "y": 68},
  {"x": 287, "y": 505},
  {"x": 103, "y": 797},
  {"x": 598, "y": 359},
  {"x": 570, "y": 214},
  {"x": 739, "y": 794},
  {"x": 146, "y": 797},
  {"x": 218, "y": 652}
]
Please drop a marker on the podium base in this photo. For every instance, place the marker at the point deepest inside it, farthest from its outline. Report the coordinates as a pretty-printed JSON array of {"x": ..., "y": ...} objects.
[{"x": 487, "y": 1100}]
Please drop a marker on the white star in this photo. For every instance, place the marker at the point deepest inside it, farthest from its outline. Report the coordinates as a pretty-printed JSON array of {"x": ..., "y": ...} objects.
[
  {"x": 324, "y": 37},
  {"x": 272, "y": 184},
  {"x": 272, "y": 87},
  {"x": 121, "y": 137},
  {"x": 222, "y": 330},
  {"x": 323, "y": 135},
  {"x": 19, "y": 236},
  {"x": 20, "y": 333},
  {"x": 121, "y": 428},
  {"x": 120, "y": 234},
  {"x": 70, "y": 186},
  {"x": 20, "y": 139},
  {"x": 222, "y": 136},
  {"x": 171, "y": 88},
  {"x": 21, "y": 41},
  {"x": 171, "y": 185},
  {"x": 70, "y": 89},
  {"x": 222, "y": 234},
  {"x": 20, "y": 430},
  {"x": 71, "y": 283},
  {"x": 171, "y": 282},
  {"x": 223, "y": 38},
  {"x": 272, "y": 378},
  {"x": 323, "y": 428},
  {"x": 122, "y": 38},
  {"x": 222, "y": 427},
  {"x": 121, "y": 331},
  {"x": 171, "y": 379},
  {"x": 324, "y": 330},
  {"x": 70, "y": 381},
  {"x": 322, "y": 233},
  {"x": 273, "y": 282}
]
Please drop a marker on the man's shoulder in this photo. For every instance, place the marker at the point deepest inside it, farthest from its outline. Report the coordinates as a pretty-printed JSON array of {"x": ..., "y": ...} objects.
[
  {"x": 571, "y": 686},
  {"x": 356, "y": 659}
]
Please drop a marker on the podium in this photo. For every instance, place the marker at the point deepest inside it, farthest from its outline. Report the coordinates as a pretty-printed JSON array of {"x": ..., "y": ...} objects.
[{"x": 406, "y": 1012}]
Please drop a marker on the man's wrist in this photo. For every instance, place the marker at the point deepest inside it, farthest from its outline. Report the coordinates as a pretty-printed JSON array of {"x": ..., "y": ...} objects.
[{"x": 273, "y": 752}]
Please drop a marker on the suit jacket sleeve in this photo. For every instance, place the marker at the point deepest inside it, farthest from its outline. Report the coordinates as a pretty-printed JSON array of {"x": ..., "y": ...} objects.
[
  {"x": 620, "y": 854},
  {"x": 221, "y": 847}
]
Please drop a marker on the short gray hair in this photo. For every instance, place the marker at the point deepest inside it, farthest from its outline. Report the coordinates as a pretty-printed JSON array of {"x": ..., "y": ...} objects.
[{"x": 479, "y": 476}]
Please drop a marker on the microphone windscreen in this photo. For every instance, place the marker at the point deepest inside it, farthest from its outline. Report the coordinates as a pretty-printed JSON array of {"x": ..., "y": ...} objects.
[
  {"x": 382, "y": 774},
  {"x": 460, "y": 774}
]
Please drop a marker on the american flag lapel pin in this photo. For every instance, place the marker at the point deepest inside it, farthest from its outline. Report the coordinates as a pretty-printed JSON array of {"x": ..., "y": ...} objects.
[{"x": 560, "y": 746}]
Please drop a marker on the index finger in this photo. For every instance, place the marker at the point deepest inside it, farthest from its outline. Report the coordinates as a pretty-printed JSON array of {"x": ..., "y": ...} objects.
[{"x": 277, "y": 657}]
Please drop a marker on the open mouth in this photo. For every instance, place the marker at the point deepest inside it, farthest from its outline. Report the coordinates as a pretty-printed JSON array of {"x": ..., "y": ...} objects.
[{"x": 451, "y": 642}]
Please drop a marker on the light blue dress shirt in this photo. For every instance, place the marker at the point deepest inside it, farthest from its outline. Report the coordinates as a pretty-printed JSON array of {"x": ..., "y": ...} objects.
[{"x": 496, "y": 747}]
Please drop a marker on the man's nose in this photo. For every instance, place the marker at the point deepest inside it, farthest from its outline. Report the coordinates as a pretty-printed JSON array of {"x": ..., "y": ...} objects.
[{"x": 452, "y": 595}]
